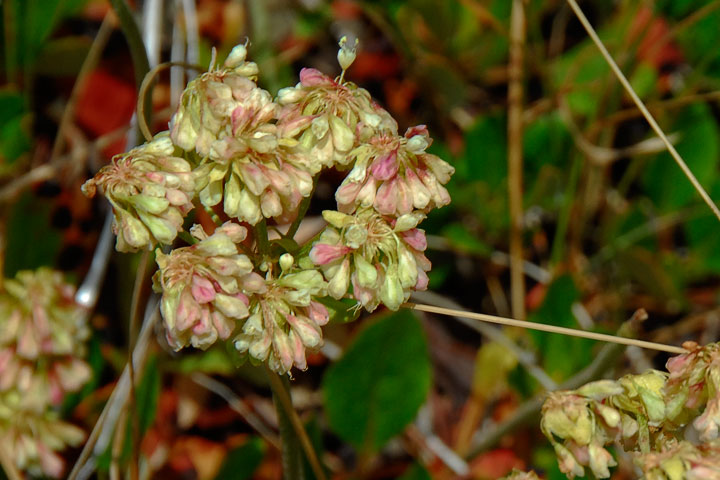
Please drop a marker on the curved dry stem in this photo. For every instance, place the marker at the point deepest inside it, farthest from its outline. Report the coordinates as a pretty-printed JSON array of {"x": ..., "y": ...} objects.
[
  {"x": 641, "y": 106},
  {"x": 142, "y": 99}
]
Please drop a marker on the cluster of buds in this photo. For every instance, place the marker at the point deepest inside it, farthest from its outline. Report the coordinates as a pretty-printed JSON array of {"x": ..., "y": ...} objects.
[
  {"x": 150, "y": 190},
  {"x": 695, "y": 382},
  {"x": 681, "y": 461},
  {"x": 42, "y": 345},
  {"x": 642, "y": 413},
  {"x": 233, "y": 145}
]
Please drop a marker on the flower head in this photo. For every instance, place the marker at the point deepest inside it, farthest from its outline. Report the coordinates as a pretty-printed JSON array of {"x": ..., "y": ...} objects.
[
  {"x": 695, "y": 381},
  {"x": 681, "y": 461},
  {"x": 208, "y": 102},
  {"x": 395, "y": 175},
  {"x": 285, "y": 318},
  {"x": 150, "y": 190},
  {"x": 381, "y": 257},
  {"x": 579, "y": 427},
  {"x": 42, "y": 338},
  {"x": 326, "y": 117},
  {"x": 200, "y": 284},
  {"x": 31, "y": 439}
]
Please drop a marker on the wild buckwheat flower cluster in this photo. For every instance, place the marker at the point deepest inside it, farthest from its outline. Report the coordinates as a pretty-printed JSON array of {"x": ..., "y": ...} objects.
[
  {"x": 682, "y": 461},
  {"x": 256, "y": 160},
  {"x": 646, "y": 414},
  {"x": 42, "y": 344}
]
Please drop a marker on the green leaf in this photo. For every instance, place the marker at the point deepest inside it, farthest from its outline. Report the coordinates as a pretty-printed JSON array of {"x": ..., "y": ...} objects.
[
  {"x": 485, "y": 156},
  {"x": 14, "y": 124},
  {"x": 460, "y": 238},
  {"x": 699, "y": 146},
  {"x": 147, "y": 394},
  {"x": 644, "y": 80},
  {"x": 704, "y": 236},
  {"x": 375, "y": 390},
  {"x": 31, "y": 242},
  {"x": 241, "y": 462},
  {"x": 562, "y": 355},
  {"x": 416, "y": 472}
]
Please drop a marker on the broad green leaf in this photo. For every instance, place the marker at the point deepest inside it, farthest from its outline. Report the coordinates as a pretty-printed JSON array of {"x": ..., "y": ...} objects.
[
  {"x": 415, "y": 472},
  {"x": 375, "y": 390},
  {"x": 699, "y": 146},
  {"x": 147, "y": 393},
  {"x": 562, "y": 355},
  {"x": 241, "y": 462},
  {"x": 31, "y": 242}
]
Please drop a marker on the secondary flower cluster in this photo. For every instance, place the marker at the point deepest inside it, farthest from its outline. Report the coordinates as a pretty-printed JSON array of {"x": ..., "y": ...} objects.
[
  {"x": 42, "y": 343},
  {"x": 642, "y": 413},
  {"x": 234, "y": 149}
]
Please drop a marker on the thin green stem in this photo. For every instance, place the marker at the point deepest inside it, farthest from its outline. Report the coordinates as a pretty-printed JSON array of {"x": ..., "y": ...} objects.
[
  {"x": 292, "y": 433},
  {"x": 261, "y": 237}
]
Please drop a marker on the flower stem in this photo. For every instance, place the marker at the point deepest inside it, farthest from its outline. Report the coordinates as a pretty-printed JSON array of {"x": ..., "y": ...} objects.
[
  {"x": 292, "y": 433},
  {"x": 261, "y": 237}
]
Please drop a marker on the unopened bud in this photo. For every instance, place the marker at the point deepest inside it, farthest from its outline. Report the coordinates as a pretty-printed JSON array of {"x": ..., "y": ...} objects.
[
  {"x": 286, "y": 262},
  {"x": 346, "y": 54}
]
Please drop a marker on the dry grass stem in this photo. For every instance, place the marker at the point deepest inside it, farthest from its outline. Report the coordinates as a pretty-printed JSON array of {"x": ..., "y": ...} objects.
[
  {"x": 515, "y": 156},
  {"x": 641, "y": 106},
  {"x": 546, "y": 328}
]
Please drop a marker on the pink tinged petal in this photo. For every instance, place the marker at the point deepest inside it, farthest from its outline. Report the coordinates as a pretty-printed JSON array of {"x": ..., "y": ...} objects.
[
  {"x": 298, "y": 351},
  {"x": 270, "y": 204},
  {"x": 188, "y": 311},
  {"x": 223, "y": 325},
  {"x": 343, "y": 136},
  {"x": 420, "y": 193},
  {"x": 310, "y": 77},
  {"x": 415, "y": 238},
  {"x": 322, "y": 254},
  {"x": 422, "y": 280},
  {"x": 293, "y": 126},
  {"x": 385, "y": 166},
  {"x": 366, "y": 195},
  {"x": 27, "y": 346},
  {"x": 366, "y": 296},
  {"x": 231, "y": 306},
  {"x": 50, "y": 462},
  {"x": 254, "y": 178},
  {"x": 417, "y": 130},
  {"x": 176, "y": 197},
  {"x": 386, "y": 198},
  {"x": 260, "y": 348},
  {"x": 347, "y": 193},
  {"x": 202, "y": 289},
  {"x": 318, "y": 313},
  {"x": 237, "y": 233},
  {"x": 405, "y": 200},
  {"x": 280, "y": 181},
  {"x": 253, "y": 283},
  {"x": 283, "y": 349},
  {"x": 56, "y": 390},
  {"x": 338, "y": 285},
  {"x": 309, "y": 332}
]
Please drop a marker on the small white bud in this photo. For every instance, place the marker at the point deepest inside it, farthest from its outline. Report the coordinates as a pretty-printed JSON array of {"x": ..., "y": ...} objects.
[
  {"x": 286, "y": 262},
  {"x": 346, "y": 54}
]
